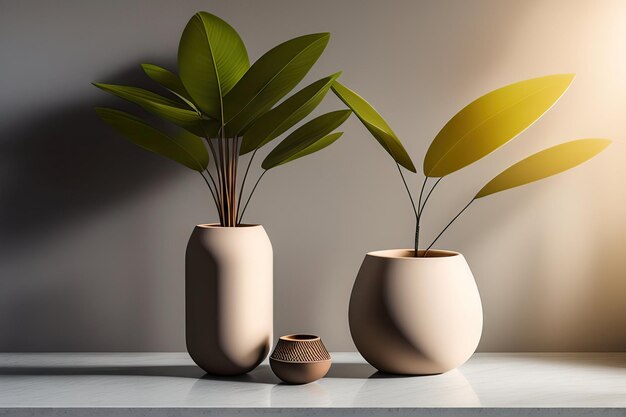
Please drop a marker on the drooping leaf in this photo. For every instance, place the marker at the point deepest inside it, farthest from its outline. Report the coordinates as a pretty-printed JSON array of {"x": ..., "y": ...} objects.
[
  {"x": 171, "y": 110},
  {"x": 375, "y": 124},
  {"x": 168, "y": 80},
  {"x": 544, "y": 164},
  {"x": 270, "y": 78},
  {"x": 491, "y": 121},
  {"x": 280, "y": 119},
  {"x": 183, "y": 149},
  {"x": 211, "y": 59},
  {"x": 308, "y": 138}
]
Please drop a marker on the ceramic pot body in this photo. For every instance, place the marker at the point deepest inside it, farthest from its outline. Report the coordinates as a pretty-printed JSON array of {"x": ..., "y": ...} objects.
[
  {"x": 228, "y": 298},
  {"x": 415, "y": 316},
  {"x": 300, "y": 359}
]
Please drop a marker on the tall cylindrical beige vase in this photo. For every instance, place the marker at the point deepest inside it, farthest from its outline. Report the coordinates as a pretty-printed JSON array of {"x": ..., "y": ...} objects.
[
  {"x": 228, "y": 298},
  {"x": 415, "y": 315}
]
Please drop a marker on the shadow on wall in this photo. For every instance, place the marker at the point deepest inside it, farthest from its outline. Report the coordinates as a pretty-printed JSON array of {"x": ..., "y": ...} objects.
[
  {"x": 66, "y": 164},
  {"x": 57, "y": 168}
]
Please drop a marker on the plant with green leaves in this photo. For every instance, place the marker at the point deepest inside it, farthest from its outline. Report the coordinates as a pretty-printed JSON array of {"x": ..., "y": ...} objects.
[
  {"x": 476, "y": 131},
  {"x": 222, "y": 108}
]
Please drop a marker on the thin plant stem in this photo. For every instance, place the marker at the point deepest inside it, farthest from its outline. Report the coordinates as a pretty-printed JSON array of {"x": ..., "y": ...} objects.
[
  {"x": 229, "y": 177},
  {"x": 417, "y": 218},
  {"x": 222, "y": 135},
  {"x": 408, "y": 191},
  {"x": 250, "y": 197},
  {"x": 235, "y": 153},
  {"x": 212, "y": 193},
  {"x": 214, "y": 186},
  {"x": 225, "y": 174},
  {"x": 217, "y": 189},
  {"x": 233, "y": 188},
  {"x": 208, "y": 185},
  {"x": 419, "y": 200},
  {"x": 215, "y": 197},
  {"x": 212, "y": 148},
  {"x": 421, "y": 209},
  {"x": 217, "y": 168},
  {"x": 243, "y": 181},
  {"x": 227, "y": 181},
  {"x": 225, "y": 196},
  {"x": 220, "y": 162},
  {"x": 417, "y": 226},
  {"x": 448, "y": 225}
]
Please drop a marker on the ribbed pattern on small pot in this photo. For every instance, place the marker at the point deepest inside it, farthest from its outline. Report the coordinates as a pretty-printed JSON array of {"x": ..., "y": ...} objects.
[{"x": 300, "y": 351}]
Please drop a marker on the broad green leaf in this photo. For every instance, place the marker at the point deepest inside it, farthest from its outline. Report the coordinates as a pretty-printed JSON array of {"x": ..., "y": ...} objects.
[
  {"x": 168, "y": 80},
  {"x": 544, "y": 164},
  {"x": 491, "y": 121},
  {"x": 185, "y": 149},
  {"x": 163, "y": 107},
  {"x": 194, "y": 145},
  {"x": 278, "y": 120},
  {"x": 375, "y": 124},
  {"x": 211, "y": 59},
  {"x": 270, "y": 78},
  {"x": 318, "y": 145},
  {"x": 308, "y": 138}
]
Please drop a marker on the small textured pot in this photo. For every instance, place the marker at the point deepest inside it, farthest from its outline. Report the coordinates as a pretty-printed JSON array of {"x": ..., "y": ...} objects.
[
  {"x": 228, "y": 298},
  {"x": 300, "y": 359},
  {"x": 415, "y": 316}
]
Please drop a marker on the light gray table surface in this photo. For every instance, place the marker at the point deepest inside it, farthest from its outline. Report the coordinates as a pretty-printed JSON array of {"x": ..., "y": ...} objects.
[{"x": 169, "y": 384}]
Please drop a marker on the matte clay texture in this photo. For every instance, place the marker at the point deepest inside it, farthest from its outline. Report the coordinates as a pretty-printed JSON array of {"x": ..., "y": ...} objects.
[
  {"x": 415, "y": 316},
  {"x": 228, "y": 294}
]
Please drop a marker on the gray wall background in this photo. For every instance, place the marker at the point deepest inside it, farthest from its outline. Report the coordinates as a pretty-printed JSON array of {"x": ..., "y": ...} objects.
[{"x": 93, "y": 230}]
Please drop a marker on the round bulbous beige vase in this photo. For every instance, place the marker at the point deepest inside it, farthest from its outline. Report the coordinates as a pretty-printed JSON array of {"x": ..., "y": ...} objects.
[
  {"x": 228, "y": 298},
  {"x": 415, "y": 316}
]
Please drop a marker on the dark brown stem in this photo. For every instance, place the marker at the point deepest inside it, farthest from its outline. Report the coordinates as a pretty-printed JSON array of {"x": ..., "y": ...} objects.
[
  {"x": 215, "y": 194},
  {"x": 250, "y": 197},
  {"x": 224, "y": 194},
  {"x": 448, "y": 225},
  {"x": 243, "y": 182},
  {"x": 233, "y": 190},
  {"x": 212, "y": 193},
  {"x": 421, "y": 209},
  {"x": 229, "y": 177},
  {"x": 417, "y": 218},
  {"x": 408, "y": 191}
]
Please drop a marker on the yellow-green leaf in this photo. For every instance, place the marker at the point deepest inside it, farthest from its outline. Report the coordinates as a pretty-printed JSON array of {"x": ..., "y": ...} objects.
[
  {"x": 544, "y": 164},
  {"x": 375, "y": 124},
  {"x": 491, "y": 121}
]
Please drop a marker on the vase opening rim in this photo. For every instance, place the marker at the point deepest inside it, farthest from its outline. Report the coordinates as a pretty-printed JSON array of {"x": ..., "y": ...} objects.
[
  {"x": 217, "y": 226},
  {"x": 410, "y": 254},
  {"x": 300, "y": 337}
]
